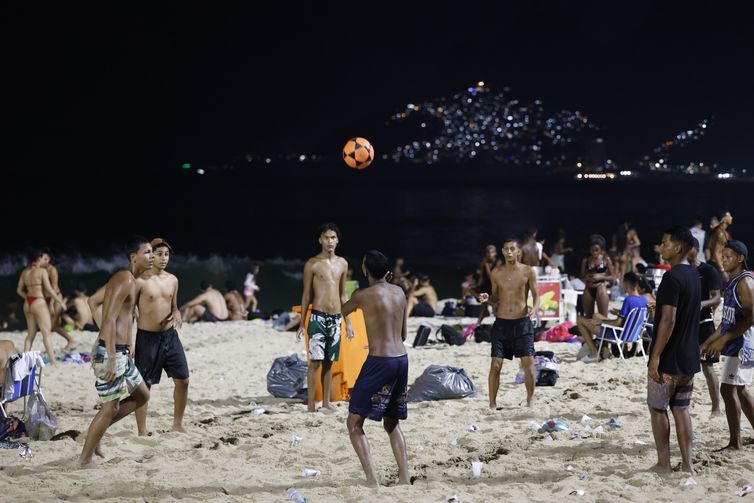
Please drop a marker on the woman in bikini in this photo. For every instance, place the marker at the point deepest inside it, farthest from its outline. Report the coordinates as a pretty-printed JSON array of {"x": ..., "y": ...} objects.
[
  {"x": 597, "y": 272},
  {"x": 33, "y": 283}
]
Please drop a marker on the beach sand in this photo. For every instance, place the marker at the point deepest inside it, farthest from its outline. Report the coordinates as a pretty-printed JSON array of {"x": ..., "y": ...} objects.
[{"x": 230, "y": 455}]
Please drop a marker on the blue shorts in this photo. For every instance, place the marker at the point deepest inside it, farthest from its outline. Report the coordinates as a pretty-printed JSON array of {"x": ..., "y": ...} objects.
[{"x": 380, "y": 389}]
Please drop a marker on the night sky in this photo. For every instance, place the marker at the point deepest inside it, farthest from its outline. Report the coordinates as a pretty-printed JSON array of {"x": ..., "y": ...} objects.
[{"x": 108, "y": 95}]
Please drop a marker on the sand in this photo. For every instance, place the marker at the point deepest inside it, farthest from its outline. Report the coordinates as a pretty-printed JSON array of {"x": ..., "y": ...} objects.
[{"x": 230, "y": 455}]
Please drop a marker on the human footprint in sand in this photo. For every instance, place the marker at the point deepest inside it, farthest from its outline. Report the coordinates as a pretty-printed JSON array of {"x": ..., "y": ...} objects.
[
  {"x": 325, "y": 274},
  {"x": 158, "y": 346},
  {"x": 118, "y": 382},
  {"x": 380, "y": 390},
  {"x": 512, "y": 332},
  {"x": 674, "y": 352}
]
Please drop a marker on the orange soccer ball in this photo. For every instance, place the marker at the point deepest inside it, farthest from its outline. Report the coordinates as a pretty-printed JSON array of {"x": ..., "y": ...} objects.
[{"x": 358, "y": 153}]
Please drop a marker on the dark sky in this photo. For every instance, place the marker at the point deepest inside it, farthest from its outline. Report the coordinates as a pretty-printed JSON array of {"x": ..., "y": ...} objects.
[{"x": 105, "y": 93}]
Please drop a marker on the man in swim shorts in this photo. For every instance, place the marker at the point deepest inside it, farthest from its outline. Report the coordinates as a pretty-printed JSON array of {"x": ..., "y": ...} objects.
[
  {"x": 674, "y": 351},
  {"x": 119, "y": 384},
  {"x": 158, "y": 346},
  {"x": 380, "y": 390},
  {"x": 325, "y": 274},
  {"x": 512, "y": 332}
]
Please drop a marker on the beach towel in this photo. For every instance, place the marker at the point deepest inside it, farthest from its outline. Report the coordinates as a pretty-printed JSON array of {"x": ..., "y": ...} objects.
[
  {"x": 558, "y": 333},
  {"x": 24, "y": 362}
]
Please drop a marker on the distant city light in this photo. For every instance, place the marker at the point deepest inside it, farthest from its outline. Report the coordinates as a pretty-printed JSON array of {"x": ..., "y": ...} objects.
[
  {"x": 626, "y": 173},
  {"x": 186, "y": 165},
  {"x": 200, "y": 171}
]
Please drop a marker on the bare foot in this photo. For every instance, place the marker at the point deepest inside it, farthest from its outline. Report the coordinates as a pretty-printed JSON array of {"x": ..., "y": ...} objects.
[
  {"x": 144, "y": 433},
  {"x": 98, "y": 452},
  {"x": 688, "y": 469},
  {"x": 68, "y": 349},
  {"x": 493, "y": 406},
  {"x": 716, "y": 413},
  {"x": 659, "y": 469},
  {"x": 178, "y": 428},
  {"x": 730, "y": 447},
  {"x": 372, "y": 483},
  {"x": 311, "y": 409},
  {"x": 84, "y": 462},
  {"x": 402, "y": 482},
  {"x": 327, "y": 410}
]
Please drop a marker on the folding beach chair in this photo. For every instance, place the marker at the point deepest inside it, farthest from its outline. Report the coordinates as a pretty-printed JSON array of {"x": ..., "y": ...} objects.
[
  {"x": 12, "y": 389},
  {"x": 629, "y": 333}
]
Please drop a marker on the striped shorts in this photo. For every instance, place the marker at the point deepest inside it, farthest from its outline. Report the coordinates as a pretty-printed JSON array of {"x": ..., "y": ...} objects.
[
  {"x": 675, "y": 392},
  {"x": 127, "y": 377}
]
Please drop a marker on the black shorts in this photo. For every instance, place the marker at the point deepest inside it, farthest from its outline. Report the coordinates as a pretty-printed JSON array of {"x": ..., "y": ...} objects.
[
  {"x": 209, "y": 317},
  {"x": 512, "y": 338},
  {"x": 156, "y": 351},
  {"x": 424, "y": 310}
]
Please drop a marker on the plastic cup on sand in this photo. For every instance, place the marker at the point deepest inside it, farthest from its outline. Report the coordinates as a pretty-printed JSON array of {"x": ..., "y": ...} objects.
[
  {"x": 308, "y": 472},
  {"x": 476, "y": 468}
]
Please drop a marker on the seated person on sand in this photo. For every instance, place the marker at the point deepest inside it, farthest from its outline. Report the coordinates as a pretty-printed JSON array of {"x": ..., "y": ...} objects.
[
  {"x": 79, "y": 314},
  {"x": 422, "y": 298},
  {"x": 589, "y": 327},
  {"x": 7, "y": 349},
  {"x": 235, "y": 302},
  {"x": 399, "y": 276},
  {"x": 207, "y": 306}
]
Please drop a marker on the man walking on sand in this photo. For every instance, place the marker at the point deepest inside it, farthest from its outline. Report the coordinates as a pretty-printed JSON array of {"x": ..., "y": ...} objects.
[
  {"x": 325, "y": 274},
  {"x": 119, "y": 384},
  {"x": 380, "y": 390},
  {"x": 728, "y": 340},
  {"x": 512, "y": 333},
  {"x": 157, "y": 344},
  {"x": 674, "y": 351}
]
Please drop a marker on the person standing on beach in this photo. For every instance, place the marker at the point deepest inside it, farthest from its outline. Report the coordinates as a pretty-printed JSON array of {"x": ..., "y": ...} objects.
[
  {"x": 728, "y": 340},
  {"x": 513, "y": 332},
  {"x": 674, "y": 350},
  {"x": 324, "y": 275},
  {"x": 488, "y": 263},
  {"x": 717, "y": 242},
  {"x": 33, "y": 287},
  {"x": 158, "y": 346},
  {"x": 119, "y": 385},
  {"x": 380, "y": 390},
  {"x": 712, "y": 284}
]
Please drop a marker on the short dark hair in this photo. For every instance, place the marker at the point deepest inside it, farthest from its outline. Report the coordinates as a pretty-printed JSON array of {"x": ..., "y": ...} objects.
[
  {"x": 681, "y": 235},
  {"x": 376, "y": 263},
  {"x": 696, "y": 221},
  {"x": 45, "y": 251},
  {"x": 204, "y": 284},
  {"x": 631, "y": 278},
  {"x": 512, "y": 239},
  {"x": 329, "y": 226},
  {"x": 423, "y": 278},
  {"x": 35, "y": 254},
  {"x": 80, "y": 287},
  {"x": 133, "y": 245}
]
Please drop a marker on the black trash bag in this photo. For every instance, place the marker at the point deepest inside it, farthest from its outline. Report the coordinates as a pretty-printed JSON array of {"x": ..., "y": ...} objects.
[
  {"x": 441, "y": 382},
  {"x": 287, "y": 377}
]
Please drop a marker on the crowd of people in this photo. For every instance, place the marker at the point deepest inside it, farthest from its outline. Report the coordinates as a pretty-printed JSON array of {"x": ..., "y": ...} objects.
[{"x": 701, "y": 270}]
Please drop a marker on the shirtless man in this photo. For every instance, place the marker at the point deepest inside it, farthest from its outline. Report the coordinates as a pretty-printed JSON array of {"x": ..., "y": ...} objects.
[
  {"x": 157, "y": 344},
  {"x": 119, "y": 384},
  {"x": 7, "y": 349},
  {"x": 326, "y": 274},
  {"x": 57, "y": 309},
  {"x": 532, "y": 252},
  {"x": 488, "y": 263},
  {"x": 83, "y": 319},
  {"x": 512, "y": 332},
  {"x": 717, "y": 242},
  {"x": 422, "y": 298},
  {"x": 207, "y": 306},
  {"x": 235, "y": 302},
  {"x": 380, "y": 390},
  {"x": 33, "y": 284}
]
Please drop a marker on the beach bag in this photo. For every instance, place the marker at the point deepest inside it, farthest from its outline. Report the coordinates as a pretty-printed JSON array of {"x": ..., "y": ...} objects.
[
  {"x": 441, "y": 382},
  {"x": 450, "y": 335},
  {"x": 558, "y": 333},
  {"x": 746, "y": 355},
  {"x": 483, "y": 333},
  {"x": 287, "y": 377},
  {"x": 11, "y": 428},
  {"x": 422, "y": 335},
  {"x": 40, "y": 422}
]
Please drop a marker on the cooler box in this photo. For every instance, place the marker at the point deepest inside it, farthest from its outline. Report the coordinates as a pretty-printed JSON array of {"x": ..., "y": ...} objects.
[{"x": 353, "y": 354}]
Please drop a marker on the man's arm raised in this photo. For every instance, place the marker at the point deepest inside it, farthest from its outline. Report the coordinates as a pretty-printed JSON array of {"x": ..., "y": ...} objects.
[{"x": 116, "y": 292}]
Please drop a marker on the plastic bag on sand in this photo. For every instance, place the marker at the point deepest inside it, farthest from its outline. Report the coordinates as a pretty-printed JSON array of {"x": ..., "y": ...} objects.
[
  {"x": 40, "y": 422},
  {"x": 287, "y": 377},
  {"x": 440, "y": 382}
]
